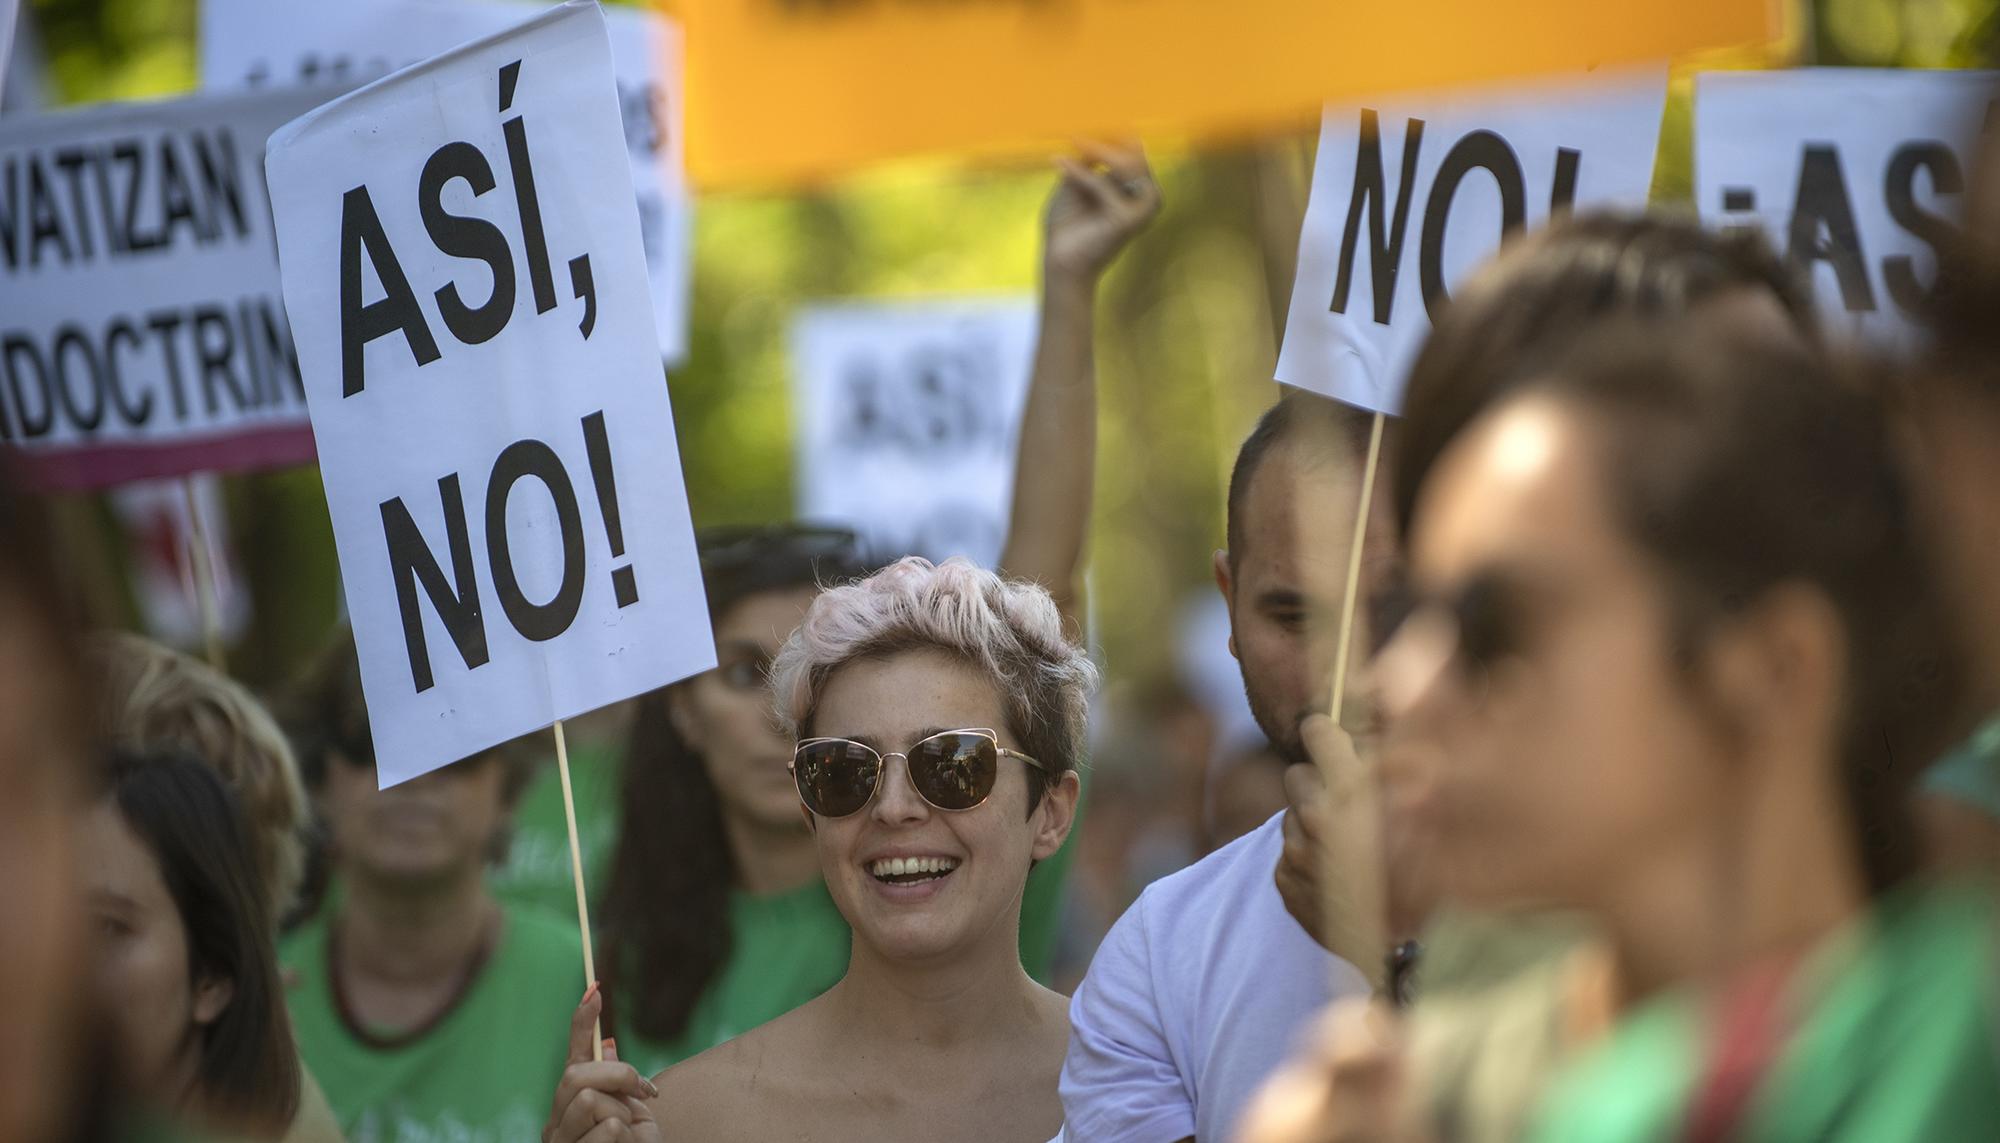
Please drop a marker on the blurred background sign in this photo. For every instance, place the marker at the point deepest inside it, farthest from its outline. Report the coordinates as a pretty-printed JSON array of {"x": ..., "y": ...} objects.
[
  {"x": 255, "y": 43},
  {"x": 1857, "y": 175},
  {"x": 908, "y": 414},
  {"x": 786, "y": 90},
  {"x": 142, "y": 333},
  {"x": 1411, "y": 194}
]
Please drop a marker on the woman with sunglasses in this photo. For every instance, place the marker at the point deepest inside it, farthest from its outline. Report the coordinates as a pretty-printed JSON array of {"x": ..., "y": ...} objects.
[
  {"x": 939, "y": 714},
  {"x": 715, "y": 918}
]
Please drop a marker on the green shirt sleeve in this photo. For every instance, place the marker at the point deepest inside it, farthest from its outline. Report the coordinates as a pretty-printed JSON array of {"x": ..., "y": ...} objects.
[{"x": 1971, "y": 773}]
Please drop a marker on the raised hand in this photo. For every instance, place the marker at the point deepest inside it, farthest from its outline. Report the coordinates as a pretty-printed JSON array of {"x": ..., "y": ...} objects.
[{"x": 1106, "y": 196}]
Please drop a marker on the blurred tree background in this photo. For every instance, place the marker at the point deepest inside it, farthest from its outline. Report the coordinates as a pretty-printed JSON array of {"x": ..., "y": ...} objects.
[{"x": 1188, "y": 336}]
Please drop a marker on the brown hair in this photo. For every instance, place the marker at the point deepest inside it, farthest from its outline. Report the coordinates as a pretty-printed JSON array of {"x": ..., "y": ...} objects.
[
  {"x": 249, "y": 1065},
  {"x": 1552, "y": 286},
  {"x": 151, "y": 696}
]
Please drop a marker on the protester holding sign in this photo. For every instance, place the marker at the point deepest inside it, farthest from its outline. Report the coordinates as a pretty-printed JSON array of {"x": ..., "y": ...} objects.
[
  {"x": 939, "y": 714},
  {"x": 1481, "y": 1056},
  {"x": 1197, "y": 991},
  {"x": 424, "y": 1006},
  {"x": 715, "y": 918}
]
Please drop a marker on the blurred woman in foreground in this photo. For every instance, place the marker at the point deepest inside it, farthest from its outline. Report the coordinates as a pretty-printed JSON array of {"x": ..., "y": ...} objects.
[
  {"x": 1679, "y": 646},
  {"x": 939, "y": 717},
  {"x": 51, "y": 1083}
]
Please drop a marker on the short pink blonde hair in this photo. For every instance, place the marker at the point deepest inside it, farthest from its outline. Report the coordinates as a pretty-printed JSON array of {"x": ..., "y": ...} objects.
[{"x": 1010, "y": 629}]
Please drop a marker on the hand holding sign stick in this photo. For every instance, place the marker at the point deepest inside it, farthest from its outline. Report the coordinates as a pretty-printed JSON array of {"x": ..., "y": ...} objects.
[
  {"x": 1406, "y": 198},
  {"x": 373, "y": 263}
]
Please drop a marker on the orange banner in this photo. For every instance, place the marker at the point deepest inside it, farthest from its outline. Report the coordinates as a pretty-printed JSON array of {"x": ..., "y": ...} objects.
[{"x": 783, "y": 91}]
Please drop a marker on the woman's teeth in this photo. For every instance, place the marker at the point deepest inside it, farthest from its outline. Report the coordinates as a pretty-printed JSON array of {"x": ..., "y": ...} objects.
[{"x": 910, "y": 870}]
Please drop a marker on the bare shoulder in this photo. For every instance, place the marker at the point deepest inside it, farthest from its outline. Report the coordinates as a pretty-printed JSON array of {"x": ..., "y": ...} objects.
[
  {"x": 735, "y": 1090},
  {"x": 1051, "y": 1037}
]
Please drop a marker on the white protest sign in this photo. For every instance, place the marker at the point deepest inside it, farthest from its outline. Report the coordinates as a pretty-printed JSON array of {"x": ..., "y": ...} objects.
[
  {"x": 142, "y": 333},
  {"x": 1411, "y": 194},
  {"x": 908, "y": 413},
  {"x": 1857, "y": 175},
  {"x": 462, "y": 266},
  {"x": 259, "y": 43}
]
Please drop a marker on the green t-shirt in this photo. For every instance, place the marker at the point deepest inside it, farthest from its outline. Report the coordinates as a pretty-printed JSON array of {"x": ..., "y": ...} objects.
[
  {"x": 1971, "y": 773},
  {"x": 788, "y": 948},
  {"x": 484, "y": 1074},
  {"x": 537, "y": 871},
  {"x": 1897, "y": 1042}
]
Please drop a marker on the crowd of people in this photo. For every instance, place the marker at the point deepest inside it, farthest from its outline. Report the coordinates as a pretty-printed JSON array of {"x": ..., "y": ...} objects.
[{"x": 1663, "y": 799}]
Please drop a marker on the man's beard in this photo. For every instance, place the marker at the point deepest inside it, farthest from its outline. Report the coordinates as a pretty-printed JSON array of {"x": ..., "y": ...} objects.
[{"x": 1280, "y": 729}]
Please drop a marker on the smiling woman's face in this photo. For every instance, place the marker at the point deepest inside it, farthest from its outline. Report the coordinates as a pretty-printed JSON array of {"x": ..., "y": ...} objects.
[{"x": 974, "y": 862}]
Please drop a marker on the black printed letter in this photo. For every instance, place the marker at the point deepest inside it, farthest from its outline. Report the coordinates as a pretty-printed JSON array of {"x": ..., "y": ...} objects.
[
  {"x": 1899, "y": 191},
  {"x": 1385, "y": 257},
  {"x": 465, "y": 236},
  {"x": 411, "y": 562},
  {"x": 1480, "y": 149},
  {"x": 538, "y": 621},
  {"x": 359, "y": 324},
  {"x": 1822, "y": 204}
]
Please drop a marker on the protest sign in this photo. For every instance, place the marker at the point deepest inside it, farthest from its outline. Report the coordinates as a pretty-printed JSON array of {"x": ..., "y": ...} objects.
[
  {"x": 257, "y": 43},
  {"x": 142, "y": 333},
  {"x": 1857, "y": 175},
  {"x": 784, "y": 90},
  {"x": 462, "y": 265},
  {"x": 908, "y": 416},
  {"x": 1410, "y": 195}
]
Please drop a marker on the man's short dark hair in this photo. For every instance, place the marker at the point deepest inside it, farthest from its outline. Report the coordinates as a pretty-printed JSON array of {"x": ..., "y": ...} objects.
[{"x": 1336, "y": 429}]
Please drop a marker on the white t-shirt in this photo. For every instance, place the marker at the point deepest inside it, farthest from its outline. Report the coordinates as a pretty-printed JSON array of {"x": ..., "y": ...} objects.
[{"x": 1195, "y": 997}]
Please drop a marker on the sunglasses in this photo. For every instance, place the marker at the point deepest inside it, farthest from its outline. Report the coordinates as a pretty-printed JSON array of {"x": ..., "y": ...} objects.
[{"x": 953, "y": 770}]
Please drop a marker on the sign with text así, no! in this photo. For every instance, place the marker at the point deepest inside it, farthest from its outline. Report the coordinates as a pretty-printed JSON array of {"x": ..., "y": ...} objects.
[
  {"x": 462, "y": 265},
  {"x": 1857, "y": 175},
  {"x": 141, "y": 328},
  {"x": 257, "y": 43},
  {"x": 1410, "y": 195}
]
